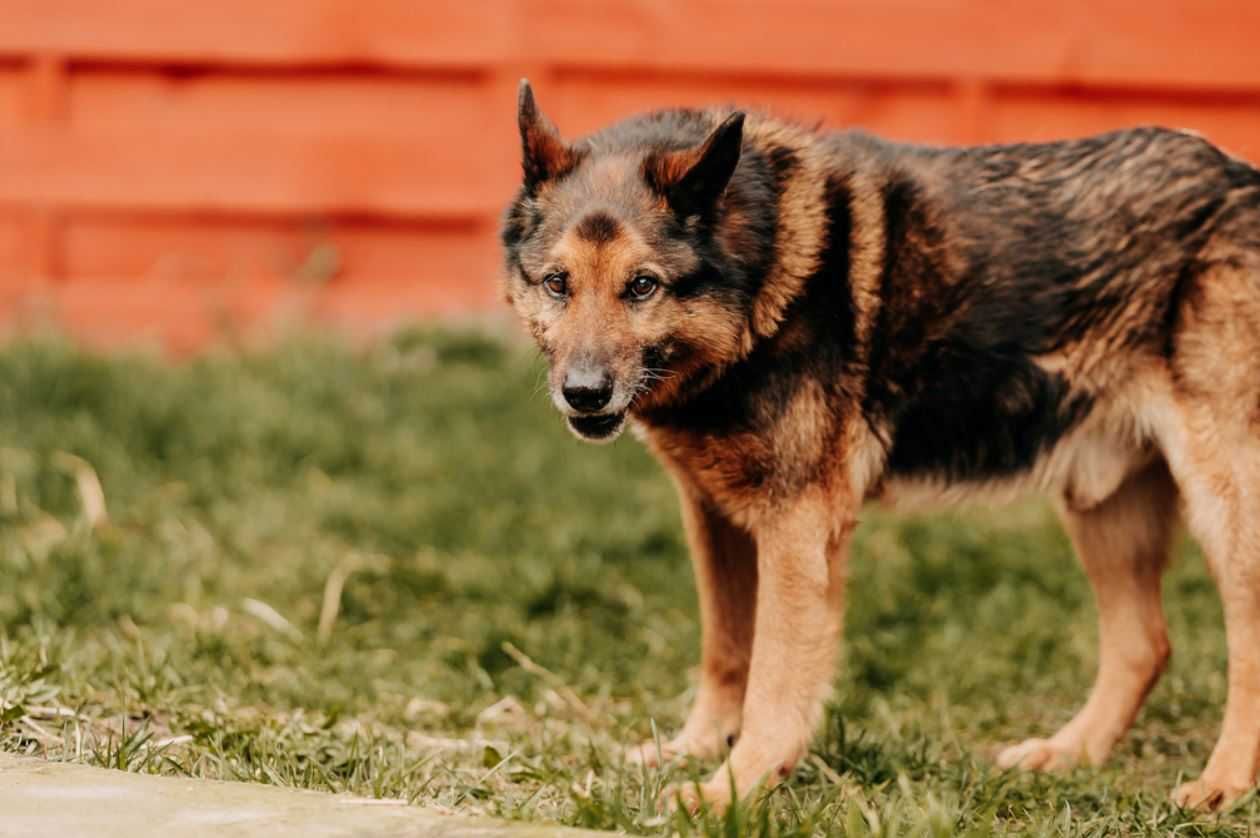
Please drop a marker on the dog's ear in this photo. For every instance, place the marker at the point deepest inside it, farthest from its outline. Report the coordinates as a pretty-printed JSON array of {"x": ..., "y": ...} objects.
[
  {"x": 693, "y": 179},
  {"x": 545, "y": 155}
]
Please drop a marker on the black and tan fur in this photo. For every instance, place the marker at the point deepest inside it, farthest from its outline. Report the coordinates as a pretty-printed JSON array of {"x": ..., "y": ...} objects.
[{"x": 832, "y": 319}]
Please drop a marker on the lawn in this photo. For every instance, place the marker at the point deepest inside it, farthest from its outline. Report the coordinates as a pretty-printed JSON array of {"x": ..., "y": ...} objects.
[{"x": 392, "y": 572}]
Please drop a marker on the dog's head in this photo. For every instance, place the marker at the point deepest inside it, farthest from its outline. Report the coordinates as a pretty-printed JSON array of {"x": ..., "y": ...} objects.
[{"x": 618, "y": 258}]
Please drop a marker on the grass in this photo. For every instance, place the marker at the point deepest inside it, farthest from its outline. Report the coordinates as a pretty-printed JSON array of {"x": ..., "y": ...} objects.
[{"x": 392, "y": 572}]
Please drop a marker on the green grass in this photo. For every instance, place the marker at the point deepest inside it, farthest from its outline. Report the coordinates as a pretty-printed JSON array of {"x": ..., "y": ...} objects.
[{"x": 182, "y": 634}]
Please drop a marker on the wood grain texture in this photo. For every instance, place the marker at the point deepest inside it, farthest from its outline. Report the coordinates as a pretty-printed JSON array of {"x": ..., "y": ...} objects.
[{"x": 199, "y": 144}]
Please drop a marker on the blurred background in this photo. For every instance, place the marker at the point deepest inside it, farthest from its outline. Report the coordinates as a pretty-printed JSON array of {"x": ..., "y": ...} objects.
[{"x": 179, "y": 172}]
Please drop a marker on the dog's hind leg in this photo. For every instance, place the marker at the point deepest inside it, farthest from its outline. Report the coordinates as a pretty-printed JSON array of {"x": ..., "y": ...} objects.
[
  {"x": 1211, "y": 436},
  {"x": 1223, "y": 504},
  {"x": 724, "y": 558},
  {"x": 1123, "y": 545}
]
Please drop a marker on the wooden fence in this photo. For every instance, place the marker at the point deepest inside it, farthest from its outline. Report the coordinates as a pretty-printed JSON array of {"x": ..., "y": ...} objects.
[{"x": 177, "y": 171}]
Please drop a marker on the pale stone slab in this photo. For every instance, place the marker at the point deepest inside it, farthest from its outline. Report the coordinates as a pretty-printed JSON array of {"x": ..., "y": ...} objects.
[{"x": 60, "y": 800}]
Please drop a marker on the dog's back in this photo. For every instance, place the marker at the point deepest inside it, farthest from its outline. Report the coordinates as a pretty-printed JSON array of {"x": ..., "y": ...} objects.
[{"x": 1033, "y": 291}]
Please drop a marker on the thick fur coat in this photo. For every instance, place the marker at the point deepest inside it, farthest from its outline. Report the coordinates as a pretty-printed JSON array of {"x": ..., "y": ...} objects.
[{"x": 798, "y": 322}]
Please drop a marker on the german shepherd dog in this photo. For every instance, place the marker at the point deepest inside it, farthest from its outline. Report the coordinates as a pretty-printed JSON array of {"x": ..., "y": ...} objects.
[{"x": 796, "y": 322}]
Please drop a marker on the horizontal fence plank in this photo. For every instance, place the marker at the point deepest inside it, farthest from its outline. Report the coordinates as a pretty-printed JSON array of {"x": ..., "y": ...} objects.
[
  {"x": 371, "y": 307},
  {"x": 583, "y": 101},
  {"x": 400, "y": 33},
  {"x": 429, "y": 108},
  {"x": 183, "y": 281},
  {"x": 172, "y": 315},
  {"x": 306, "y": 142},
  {"x": 232, "y": 171},
  {"x": 216, "y": 250},
  {"x": 113, "y": 315},
  {"x": 1177, "y": 43}
]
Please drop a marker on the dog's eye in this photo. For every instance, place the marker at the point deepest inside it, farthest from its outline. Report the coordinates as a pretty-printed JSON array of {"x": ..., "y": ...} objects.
[
  {"x": 642, "y": 287},
  {"x": 557, "y": 285}
]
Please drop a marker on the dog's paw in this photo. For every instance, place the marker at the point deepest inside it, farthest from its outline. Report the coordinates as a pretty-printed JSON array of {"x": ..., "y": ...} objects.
[
  {"x": 691, "y": 798},
  {"x": 1039, "y": 755},
  {"x": 651, "y": 754},
  {"x": 1208, "y": 795}
]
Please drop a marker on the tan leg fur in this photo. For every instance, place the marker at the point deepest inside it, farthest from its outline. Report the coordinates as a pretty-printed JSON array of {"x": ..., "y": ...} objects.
[
  {"x": 725, "y": 562},
  {"x": 801, "y": 565},
  {"x": 1123, "y": 545},
  {"x": 1211, "y": 435}
]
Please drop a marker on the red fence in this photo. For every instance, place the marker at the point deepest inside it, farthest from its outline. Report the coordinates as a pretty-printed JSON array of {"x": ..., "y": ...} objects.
[{"x": 179, "y": 170}]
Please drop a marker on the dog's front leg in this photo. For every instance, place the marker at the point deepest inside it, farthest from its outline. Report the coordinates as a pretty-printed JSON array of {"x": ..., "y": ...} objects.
[
  {"x": 725, "y": 561},
  {"x": 801, "y": 555}
]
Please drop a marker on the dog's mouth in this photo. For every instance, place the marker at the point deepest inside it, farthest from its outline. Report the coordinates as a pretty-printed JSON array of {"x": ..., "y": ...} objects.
[{"x": 598, "y": 428}]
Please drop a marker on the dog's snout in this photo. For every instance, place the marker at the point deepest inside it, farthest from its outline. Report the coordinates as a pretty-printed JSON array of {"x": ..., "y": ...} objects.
[{"x": 587, "y": 389}]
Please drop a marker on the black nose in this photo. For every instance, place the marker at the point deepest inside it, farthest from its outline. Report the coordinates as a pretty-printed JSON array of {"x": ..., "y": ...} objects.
[{"x": 587, "y": 391}]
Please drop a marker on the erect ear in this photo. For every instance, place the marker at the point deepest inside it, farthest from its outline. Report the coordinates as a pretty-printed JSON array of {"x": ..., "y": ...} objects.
[
  {"x": 544, "y": 154},
  {"x": 693, "y": 179}
]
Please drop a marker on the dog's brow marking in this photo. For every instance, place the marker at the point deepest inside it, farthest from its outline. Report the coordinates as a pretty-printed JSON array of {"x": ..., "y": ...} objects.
[{"x": 598, "y": 227}]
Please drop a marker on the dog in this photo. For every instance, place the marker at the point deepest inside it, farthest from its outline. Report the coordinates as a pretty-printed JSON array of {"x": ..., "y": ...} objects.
[{"x": 799, "y": 322}]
